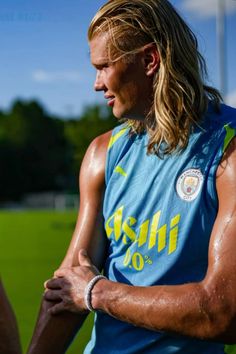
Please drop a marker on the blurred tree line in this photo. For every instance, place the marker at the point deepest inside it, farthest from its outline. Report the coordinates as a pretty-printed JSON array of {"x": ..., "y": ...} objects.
[{"x": 39, "y": 152}]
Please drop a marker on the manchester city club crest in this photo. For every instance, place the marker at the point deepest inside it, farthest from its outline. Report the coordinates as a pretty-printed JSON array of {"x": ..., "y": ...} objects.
[{"x": 189, "y": 184}]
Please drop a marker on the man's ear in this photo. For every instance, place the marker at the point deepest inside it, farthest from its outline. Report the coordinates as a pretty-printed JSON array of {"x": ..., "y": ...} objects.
[{"x": 151, "y": 59}]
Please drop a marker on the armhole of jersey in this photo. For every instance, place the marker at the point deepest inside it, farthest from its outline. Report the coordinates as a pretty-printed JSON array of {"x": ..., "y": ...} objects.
[
  {"x": 230, "y": 134},
  {"x": 116, "y": 134},
  {"x": 107, "y": 173}
]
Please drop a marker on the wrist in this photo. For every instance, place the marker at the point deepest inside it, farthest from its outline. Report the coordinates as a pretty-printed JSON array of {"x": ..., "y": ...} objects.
[
  {"x": 89, "y": 289},
  {"x": 99, "y": 294}
]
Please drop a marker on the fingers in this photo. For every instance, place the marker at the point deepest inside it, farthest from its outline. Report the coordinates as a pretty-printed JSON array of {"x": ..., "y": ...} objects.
[
  {"x": 53, "y": 295},
  {"x": 61, "y": 272},
  {"x": 54, "y": 283},
  {"x": 56, "y": 309},
  {"x": 45, "y": 284}
]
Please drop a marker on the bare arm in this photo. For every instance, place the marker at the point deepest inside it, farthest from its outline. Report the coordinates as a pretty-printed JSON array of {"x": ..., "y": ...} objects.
[
  {"x": 205, "y": 310},
  {"x": 54, "y": 334},
  {"x": 9, "y": 335}
]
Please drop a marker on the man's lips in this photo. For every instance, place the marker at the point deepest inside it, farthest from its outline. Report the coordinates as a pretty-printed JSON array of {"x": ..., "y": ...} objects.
[{"x": 110, "y": 100}]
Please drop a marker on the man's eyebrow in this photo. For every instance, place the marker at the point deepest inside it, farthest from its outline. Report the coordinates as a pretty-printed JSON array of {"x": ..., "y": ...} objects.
[
  {"x": 101, "y": 61},
  {"x": 99, "y": 65}
]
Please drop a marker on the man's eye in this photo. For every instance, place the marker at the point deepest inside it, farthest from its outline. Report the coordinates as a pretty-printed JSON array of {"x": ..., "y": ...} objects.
[{"x": 100, "y": 67}]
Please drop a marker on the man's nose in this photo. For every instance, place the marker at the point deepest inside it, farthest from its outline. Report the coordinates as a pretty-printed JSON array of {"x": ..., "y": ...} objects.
[{"x": 99, "y": 83}]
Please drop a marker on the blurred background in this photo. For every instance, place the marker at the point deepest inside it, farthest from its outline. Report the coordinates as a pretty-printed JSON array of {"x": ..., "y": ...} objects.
[{"x": 49, "y": 114}]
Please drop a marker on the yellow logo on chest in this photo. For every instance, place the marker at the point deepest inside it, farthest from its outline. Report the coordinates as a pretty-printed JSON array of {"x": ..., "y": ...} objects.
[{"x": 149, "y": 233}]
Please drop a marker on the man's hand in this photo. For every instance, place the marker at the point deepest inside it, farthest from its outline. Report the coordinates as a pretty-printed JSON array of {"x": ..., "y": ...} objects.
[{"x": 67, "y": 287}]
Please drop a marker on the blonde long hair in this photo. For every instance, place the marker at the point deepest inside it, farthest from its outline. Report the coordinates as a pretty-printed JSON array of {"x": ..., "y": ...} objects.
[{"x": 180, "y": 97}]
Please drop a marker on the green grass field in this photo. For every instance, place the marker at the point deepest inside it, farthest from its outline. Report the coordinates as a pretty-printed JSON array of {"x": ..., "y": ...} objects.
[{"x": 32, "y": 245}]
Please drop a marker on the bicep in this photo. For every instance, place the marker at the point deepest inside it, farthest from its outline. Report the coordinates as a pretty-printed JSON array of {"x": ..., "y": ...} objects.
[
  {"x": 89, "y": 235},
  {"x": 89, "y": 230}
]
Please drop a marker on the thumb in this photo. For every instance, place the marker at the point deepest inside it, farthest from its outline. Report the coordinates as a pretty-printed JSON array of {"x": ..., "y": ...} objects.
[{"x": 84, "y": 260}]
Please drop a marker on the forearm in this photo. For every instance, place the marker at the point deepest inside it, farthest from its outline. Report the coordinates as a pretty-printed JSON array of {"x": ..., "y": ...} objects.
[
  {"x": 53, "y": 334},
  {"x": 187, "y": 309},
  {"x": 9, "y": 335}
]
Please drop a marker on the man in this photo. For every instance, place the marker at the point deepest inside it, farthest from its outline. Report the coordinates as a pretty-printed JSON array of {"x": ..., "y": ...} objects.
[
  {"x": 165, "y": 184},
  {"x": 9, "y": 336}
]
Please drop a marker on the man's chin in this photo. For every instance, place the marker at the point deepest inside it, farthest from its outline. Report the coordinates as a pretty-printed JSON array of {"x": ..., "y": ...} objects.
[
  {"x": 118, "y": 115},
  {"x": 123, "y": 116}
]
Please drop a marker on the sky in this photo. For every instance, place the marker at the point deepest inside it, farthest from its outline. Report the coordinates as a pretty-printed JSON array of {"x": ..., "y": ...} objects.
[{"x": 44, "y": 53}]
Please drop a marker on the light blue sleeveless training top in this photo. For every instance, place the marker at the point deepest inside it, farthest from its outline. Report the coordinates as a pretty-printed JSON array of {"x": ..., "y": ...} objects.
[{"x": 159, "y": 214}]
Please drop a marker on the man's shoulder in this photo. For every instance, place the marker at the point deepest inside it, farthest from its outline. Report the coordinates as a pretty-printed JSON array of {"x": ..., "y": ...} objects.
[
  {"x": 92, "y": 170},
  {"x": 105, "y": 141},
  {"x": 101, "y": 142}
]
